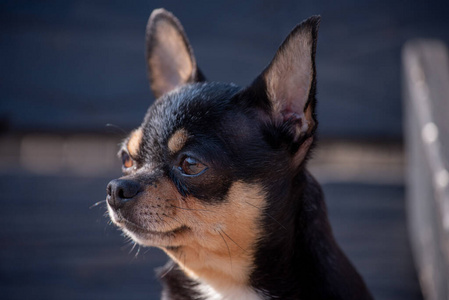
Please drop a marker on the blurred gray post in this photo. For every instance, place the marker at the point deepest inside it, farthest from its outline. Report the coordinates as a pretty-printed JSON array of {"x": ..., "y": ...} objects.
[{"x": 426, "y": 106}]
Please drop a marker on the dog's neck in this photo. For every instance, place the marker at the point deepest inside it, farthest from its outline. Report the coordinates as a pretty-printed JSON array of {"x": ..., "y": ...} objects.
[
  {"x": 216, "y": 273},
  {"x": 200, "y": 273},
  {"x": 303, "y": 260}
]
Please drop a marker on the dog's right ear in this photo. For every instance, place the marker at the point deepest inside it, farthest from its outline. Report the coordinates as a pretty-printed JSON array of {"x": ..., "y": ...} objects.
[{"x": 169, "y": 55}]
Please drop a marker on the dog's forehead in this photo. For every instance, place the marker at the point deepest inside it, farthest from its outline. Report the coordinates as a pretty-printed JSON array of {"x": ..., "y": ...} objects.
[
  {"x": 188, "y": 107},
  {"x": 186, "y": 110}
]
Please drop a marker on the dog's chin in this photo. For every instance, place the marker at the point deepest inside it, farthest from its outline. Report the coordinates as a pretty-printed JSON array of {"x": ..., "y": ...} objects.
[
  {"x": 155, "y": 238},
  {"x": 161, "y": 239}
]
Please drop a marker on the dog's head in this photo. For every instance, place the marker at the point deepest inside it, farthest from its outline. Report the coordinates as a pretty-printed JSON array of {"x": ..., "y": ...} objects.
[{"x": 210, "y": 160}]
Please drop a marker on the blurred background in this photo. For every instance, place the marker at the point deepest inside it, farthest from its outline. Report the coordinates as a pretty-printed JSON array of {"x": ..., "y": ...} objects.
[{"x": 73, "y": 82}]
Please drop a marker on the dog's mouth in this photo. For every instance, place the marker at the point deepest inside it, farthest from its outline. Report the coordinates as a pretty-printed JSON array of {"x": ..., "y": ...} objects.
[
  {"x": 139, "y": 233},
  {"x": 142, "y": 232}
]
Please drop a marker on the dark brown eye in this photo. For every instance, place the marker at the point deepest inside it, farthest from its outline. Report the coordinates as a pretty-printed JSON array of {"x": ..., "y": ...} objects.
[
  {"x": 191, "y": 166},
  {"x": 127, "y": 161}
]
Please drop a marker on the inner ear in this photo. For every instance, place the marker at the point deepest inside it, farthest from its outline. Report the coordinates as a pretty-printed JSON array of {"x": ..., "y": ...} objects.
[
  {"x": 169, "y": 56},
  {"x": 290, "y": 79}
]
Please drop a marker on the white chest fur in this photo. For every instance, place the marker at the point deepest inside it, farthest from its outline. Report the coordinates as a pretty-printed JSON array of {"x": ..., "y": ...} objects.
[{"x": 241, "y": 293}]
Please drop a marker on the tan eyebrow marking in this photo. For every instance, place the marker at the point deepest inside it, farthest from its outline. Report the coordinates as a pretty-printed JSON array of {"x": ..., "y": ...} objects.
[
  {"x": 134, "y": 142},
  {"x": 177, "y": 140}
]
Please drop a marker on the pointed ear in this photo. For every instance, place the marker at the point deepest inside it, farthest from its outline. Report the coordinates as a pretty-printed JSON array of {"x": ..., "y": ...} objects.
[
  {"x": 169, "y": 55},
  {"x": 289, "y": 80}
]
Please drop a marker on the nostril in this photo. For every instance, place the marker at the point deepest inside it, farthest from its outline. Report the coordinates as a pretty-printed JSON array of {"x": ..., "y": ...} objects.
[{"x": 121, "y": 194}]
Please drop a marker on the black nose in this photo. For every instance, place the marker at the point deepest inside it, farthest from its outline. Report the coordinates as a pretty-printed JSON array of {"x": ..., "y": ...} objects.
[{"x": 121, "y": 191}]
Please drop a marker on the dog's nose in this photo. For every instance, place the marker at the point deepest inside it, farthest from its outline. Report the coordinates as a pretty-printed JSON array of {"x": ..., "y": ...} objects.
[{"x": 121, "y": 191}]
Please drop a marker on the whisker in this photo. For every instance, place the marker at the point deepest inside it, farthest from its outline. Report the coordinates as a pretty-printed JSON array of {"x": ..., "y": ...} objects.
[
  {"x": 138, "y": 251},
  {"x": 116, "y": 127},
  {"x": 232, "y": 240},
  {"x": 172, "y": 218},
  {"x": 191, "y": 208},
  {"x": 96, "y": 204},
  {"x": 162, "y": 220},
  {"x": 263, "y": 211},
  {"x": 127, "y": 243},
  {"x": 168, "y": 271},
  {"x": 165, "y": 222},
  {"x": 227, "y": 246},
  {"x": 134, "y": 246}
]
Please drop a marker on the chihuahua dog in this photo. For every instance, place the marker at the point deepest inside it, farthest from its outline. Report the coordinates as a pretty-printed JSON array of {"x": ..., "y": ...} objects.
[{"x": 215, "y": 176}]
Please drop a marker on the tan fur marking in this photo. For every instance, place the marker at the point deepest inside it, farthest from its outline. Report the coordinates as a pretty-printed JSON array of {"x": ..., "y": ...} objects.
[
  {"x": 135, "y": 141},
  {"x": 177, "y": 140}
]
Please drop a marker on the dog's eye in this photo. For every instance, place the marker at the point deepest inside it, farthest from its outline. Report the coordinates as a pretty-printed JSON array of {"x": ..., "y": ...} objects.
[
  {"x": 127, "y": 161},
  {"x": 191, "y": 166}
]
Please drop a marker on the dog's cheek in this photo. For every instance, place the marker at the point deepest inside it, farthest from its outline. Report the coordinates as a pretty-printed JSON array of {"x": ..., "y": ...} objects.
[
  {"x": 236, "y": 221},
  {"x": 155, "y": 213},
  {"x": 243, "y": 213},
  {"x": 158, "y": 205}
]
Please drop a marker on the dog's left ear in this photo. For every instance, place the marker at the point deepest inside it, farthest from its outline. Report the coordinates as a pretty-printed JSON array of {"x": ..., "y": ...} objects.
[
  {"x": 288, "y": 83},
  {"x": 169, "y": 56},
  {"x": 286, "y": 88}
]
